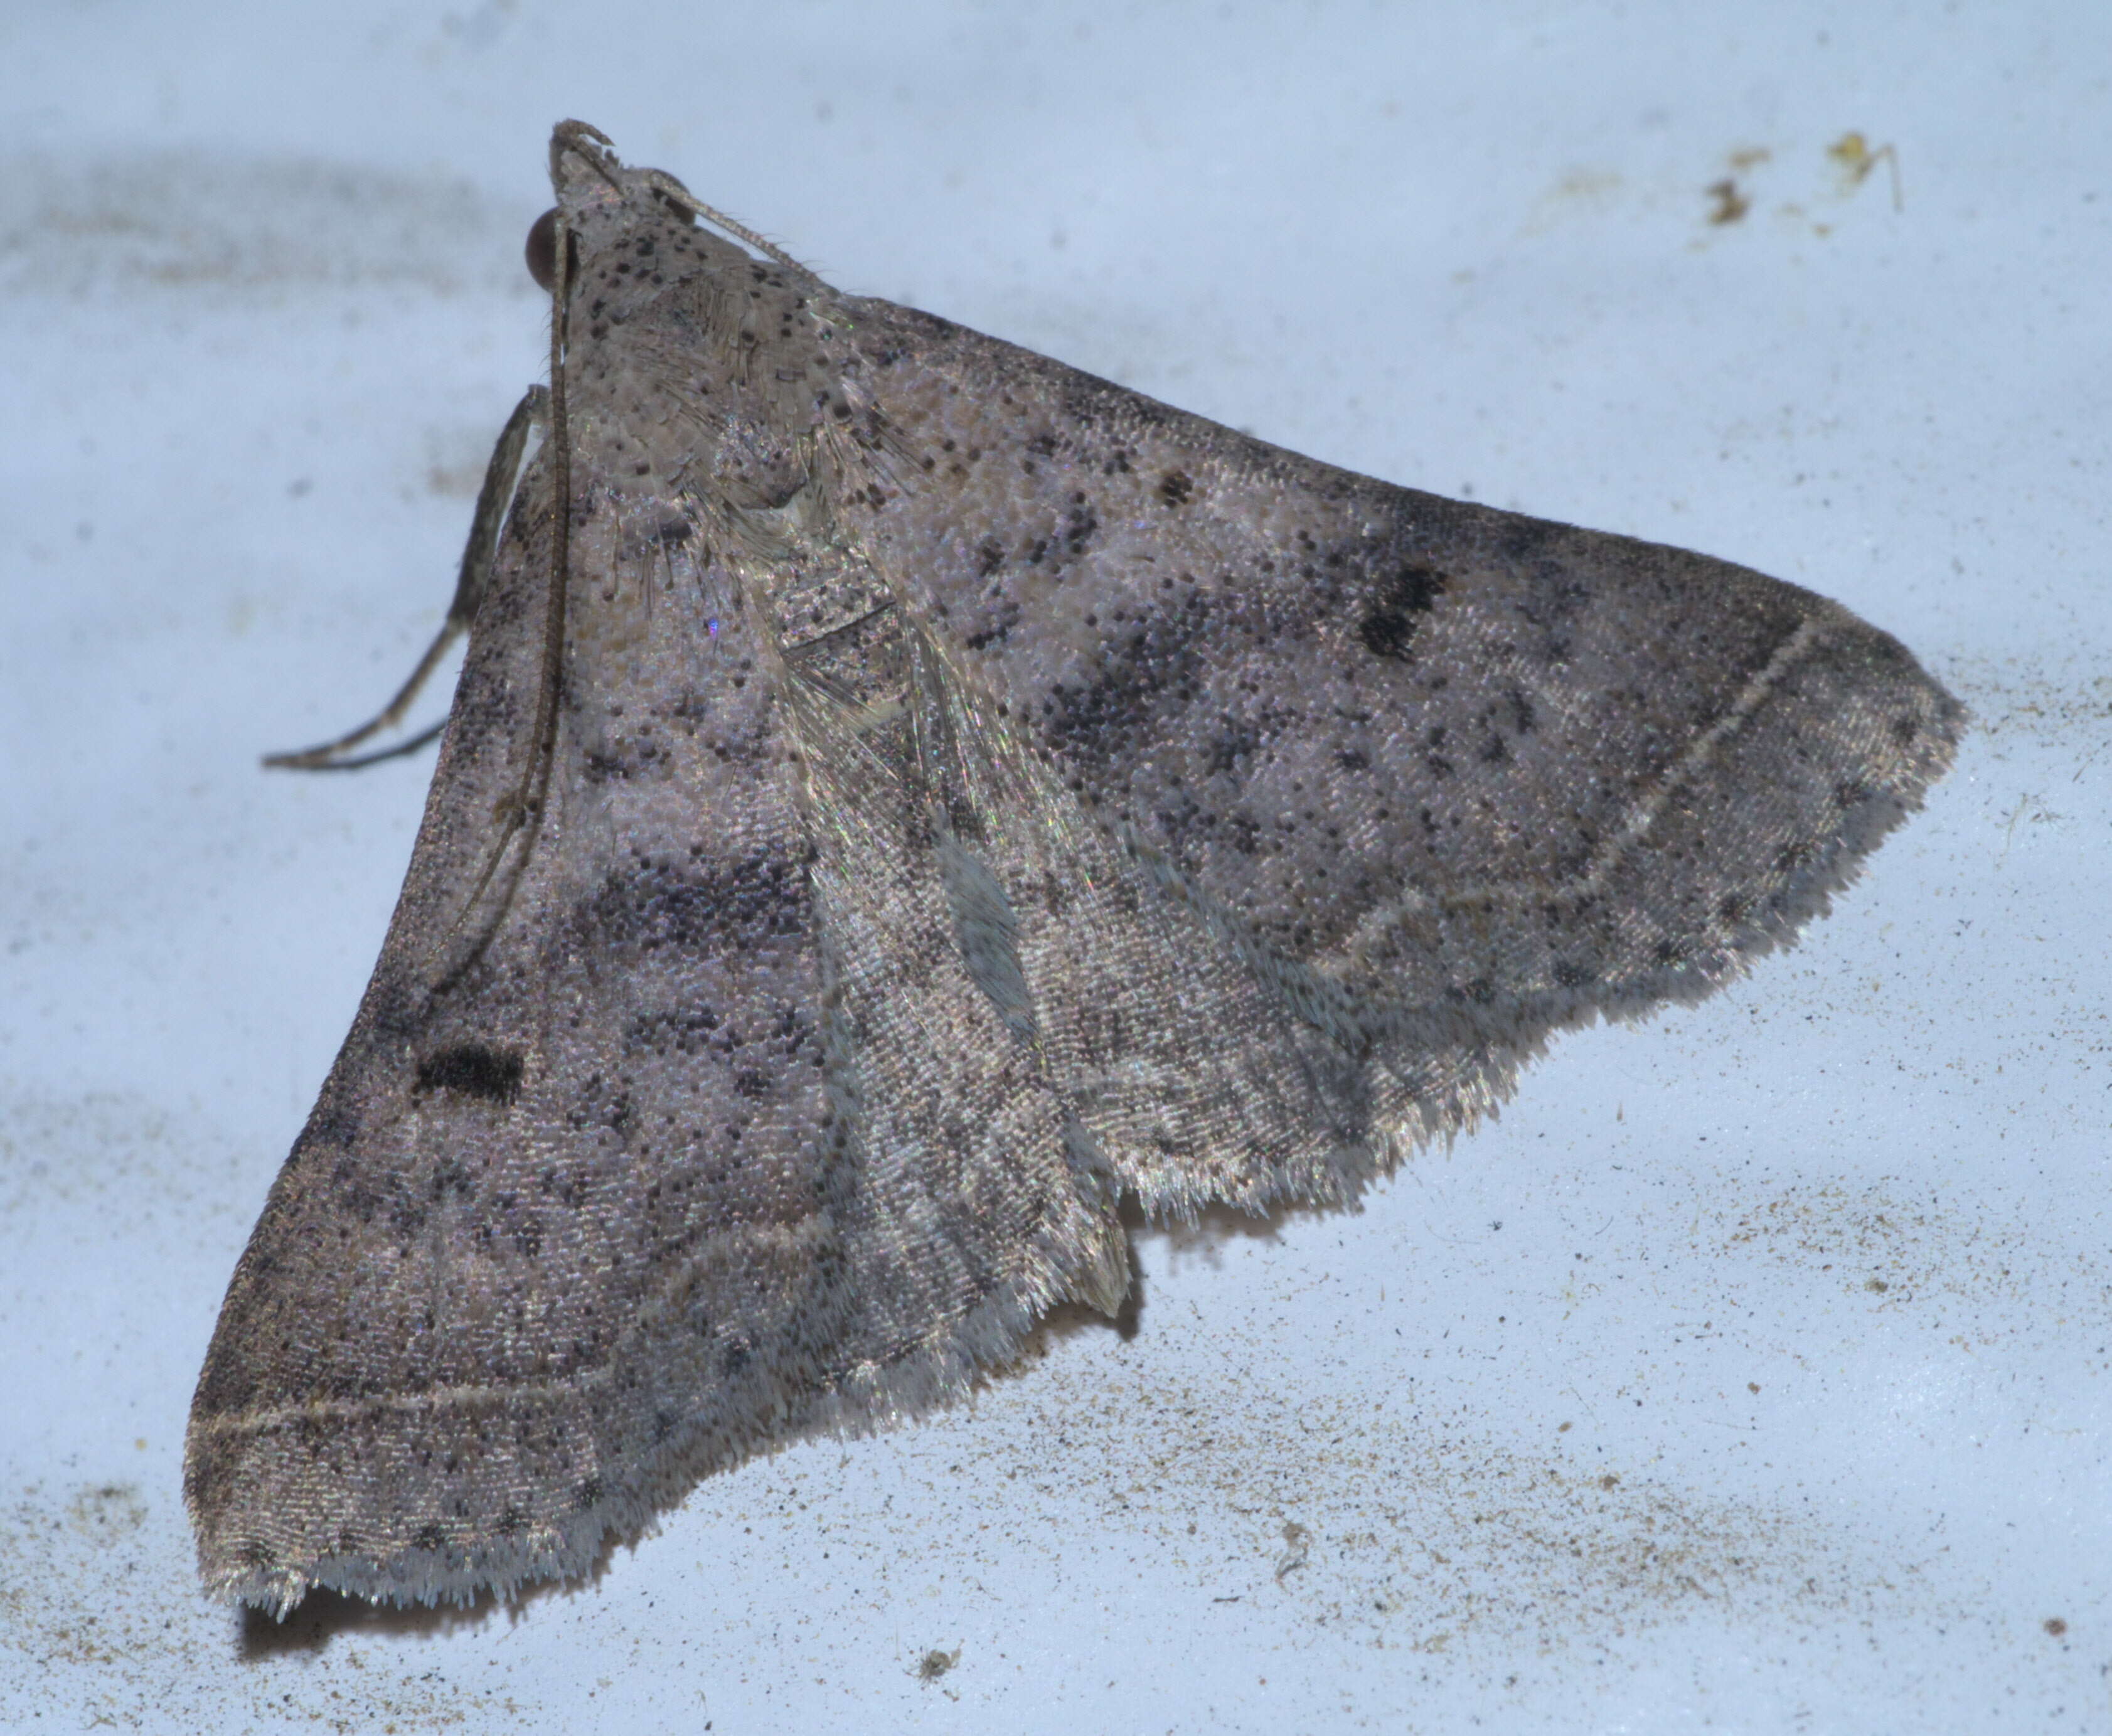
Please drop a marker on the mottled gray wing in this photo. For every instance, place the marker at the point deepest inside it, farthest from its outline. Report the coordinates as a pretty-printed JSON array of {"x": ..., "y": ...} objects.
[
  {"x": 1446, "y": 779},
  {"x": 974, "y": 790},
  {"x": 690, "y": 1130}
]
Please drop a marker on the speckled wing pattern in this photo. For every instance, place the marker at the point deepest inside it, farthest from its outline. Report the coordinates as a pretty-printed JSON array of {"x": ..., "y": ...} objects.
[{"x": 970, "y": 794}]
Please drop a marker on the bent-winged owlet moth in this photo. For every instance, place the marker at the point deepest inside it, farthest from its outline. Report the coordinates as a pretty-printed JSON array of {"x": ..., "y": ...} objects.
[{"x": 905, "y": 796}]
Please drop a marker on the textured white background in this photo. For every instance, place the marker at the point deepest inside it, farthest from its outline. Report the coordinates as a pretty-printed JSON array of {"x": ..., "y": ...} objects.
[{"x": 1750, "y": 1375}]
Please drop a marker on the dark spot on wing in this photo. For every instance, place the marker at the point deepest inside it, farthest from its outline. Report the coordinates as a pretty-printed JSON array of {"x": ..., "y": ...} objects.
[
  {"x": 1388, "y": 627},
  {"x": 733, "y": 903},
  {"x": 1150, "y": 665},
  {"x": 474, "y": 1069},
  {"x": 1522, "y": 540}
]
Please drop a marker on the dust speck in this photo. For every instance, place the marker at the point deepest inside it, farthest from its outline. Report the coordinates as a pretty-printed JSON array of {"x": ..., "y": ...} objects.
[
  {"x": 1297, "y": 1548},
  {"x": 1730, "y": 205},
  {"x": 104, "y": 1512}
]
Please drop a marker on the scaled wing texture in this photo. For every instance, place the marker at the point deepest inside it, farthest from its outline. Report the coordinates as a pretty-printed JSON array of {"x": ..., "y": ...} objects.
[{"x": 974, "y": 794}]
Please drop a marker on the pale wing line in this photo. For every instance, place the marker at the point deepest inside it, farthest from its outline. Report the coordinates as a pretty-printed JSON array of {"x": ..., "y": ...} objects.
[
  {"x": 1642, "y": 814},
  {"x": 406, "y": 1404},
  {"x": 651, "y": 1312}
]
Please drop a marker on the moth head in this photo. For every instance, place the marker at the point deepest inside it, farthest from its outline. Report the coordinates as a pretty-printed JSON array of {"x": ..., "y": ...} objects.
[{"x": 599, "y": 200}]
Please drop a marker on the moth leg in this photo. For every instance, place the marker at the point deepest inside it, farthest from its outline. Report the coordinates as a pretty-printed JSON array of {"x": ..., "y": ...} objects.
[{"x": 492, "y": 501}]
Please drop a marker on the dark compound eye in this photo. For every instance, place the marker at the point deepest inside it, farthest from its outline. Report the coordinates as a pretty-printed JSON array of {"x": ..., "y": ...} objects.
[{"x": 542, "y": 249}]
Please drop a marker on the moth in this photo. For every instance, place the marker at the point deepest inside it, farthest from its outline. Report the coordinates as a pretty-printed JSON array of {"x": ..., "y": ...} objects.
[{"x": 904, "y": 799}]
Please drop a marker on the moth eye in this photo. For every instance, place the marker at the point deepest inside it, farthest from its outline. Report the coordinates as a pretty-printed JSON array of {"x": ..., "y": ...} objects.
[{"x": 542, "y": 249}]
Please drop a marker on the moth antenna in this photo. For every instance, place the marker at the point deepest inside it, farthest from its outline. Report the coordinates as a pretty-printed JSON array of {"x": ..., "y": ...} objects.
[
  {"x": 492, "y": 500},
  {"x": 675, "y": 194},
  {"x": 332, "y": 755},
  {"x": 521, "y": 811}
]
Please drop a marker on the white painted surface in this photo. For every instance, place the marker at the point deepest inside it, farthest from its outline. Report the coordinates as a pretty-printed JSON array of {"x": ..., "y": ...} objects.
[{"x": 1750, "y": 1375}]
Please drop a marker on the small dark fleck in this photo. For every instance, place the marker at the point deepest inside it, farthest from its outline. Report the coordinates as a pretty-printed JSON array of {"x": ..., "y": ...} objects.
[
  {"x": 475, "y": 1070},
  {"x": 1388, "y": 625}
]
